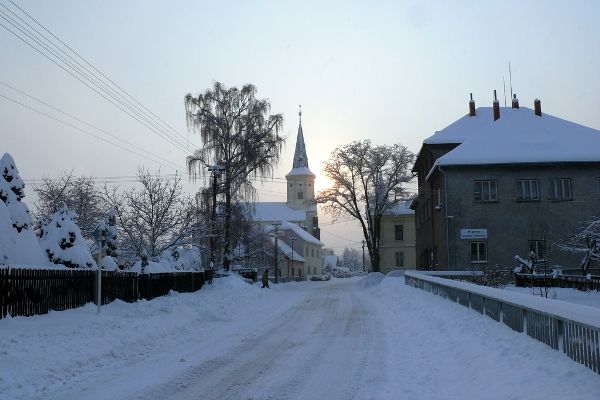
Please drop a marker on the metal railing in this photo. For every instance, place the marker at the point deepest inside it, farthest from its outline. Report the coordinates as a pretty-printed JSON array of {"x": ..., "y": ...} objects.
[{"x": 577, "y": 339}]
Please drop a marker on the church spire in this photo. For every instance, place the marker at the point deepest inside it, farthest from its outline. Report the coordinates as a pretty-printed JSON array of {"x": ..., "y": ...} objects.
[{"x": 300, "y": 158}]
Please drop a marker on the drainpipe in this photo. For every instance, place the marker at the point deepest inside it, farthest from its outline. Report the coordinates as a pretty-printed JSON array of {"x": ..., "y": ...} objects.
[{"x": 446, "y": 221}]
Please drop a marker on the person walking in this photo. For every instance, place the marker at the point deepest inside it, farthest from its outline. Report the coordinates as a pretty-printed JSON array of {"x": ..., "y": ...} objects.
[{"x": 265, "y": 279}]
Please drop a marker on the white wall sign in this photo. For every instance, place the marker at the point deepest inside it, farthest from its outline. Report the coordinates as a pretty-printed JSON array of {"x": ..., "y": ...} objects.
[{"x": 473, "y": 233}]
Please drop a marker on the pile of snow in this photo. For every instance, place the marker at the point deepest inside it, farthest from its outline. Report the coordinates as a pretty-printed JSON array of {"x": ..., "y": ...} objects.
[
  {"x": 373, "y": 279},
  {"x": 62, "y": 240},
  {"x": 109, "y": 263},
  {"x": 18, "y": 244},
  {"x": 232, "y": 282},
  {"x": 397, "y": 273},
  {"x": 153, "y": 267}
]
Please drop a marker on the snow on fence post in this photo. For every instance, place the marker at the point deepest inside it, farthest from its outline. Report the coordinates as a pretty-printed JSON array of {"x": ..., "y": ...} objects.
[{"x": 569, "y": 328}]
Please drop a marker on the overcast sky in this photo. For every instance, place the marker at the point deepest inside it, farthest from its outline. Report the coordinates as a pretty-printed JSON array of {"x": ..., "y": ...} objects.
[{"x": 393, "y": 72}]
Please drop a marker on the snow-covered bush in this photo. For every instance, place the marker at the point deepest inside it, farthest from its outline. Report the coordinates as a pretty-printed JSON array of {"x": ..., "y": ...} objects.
[
  {"x": 62, "y": 241},
  {"x": 183, "y": 258},
  {"x": 585, "y": 241},
  {"x": 18, "y": 244}
]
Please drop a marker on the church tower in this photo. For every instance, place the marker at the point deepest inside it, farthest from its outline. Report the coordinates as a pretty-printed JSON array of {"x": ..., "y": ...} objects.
[{"x": 301, "y": 185}]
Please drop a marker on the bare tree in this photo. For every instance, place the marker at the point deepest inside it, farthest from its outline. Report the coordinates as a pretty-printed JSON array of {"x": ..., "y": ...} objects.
[
  {"x": 367, "y": 181},
  {"x": 238, "y": 134},
  {"x": 78, "y": 193},
  {"x": 585, "y": 241},
  {"x": 154, "y": 217}
]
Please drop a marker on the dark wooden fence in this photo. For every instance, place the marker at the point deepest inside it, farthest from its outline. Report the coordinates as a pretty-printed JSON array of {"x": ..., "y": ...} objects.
[
  {"x": 25, "y": 292},
  {"x": 563, "y": 281}
]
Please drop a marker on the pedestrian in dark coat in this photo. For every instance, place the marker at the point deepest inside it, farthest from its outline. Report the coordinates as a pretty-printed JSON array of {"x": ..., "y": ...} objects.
[{"x": 265, "y": 279}]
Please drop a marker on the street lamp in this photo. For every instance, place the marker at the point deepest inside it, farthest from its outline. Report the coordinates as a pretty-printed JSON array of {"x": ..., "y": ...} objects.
[
  {"x": 363, "y": 249},
  {"x": 276, "y": 226},
  {"x": 292, "y": 240},
  {"x": 216, "y": 171}
]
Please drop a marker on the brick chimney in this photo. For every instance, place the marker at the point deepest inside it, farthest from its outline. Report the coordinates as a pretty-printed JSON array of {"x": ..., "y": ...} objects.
[
  {"x": 537, "y": 107},
  {"x": 515, "y": 101},
  {"x": 472, "y": 106},
  {"x": 496, "y": 107}
]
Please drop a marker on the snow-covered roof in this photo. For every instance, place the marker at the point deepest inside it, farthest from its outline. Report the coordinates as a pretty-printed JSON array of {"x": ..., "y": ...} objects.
[
  {"x": 463, "y": 128},
  {"x": 399, "y": 208},
  {"x": 518, "y": 137},
  {"x": 287, "y": 251},
  {"x": 307, "y": 237},
  {"x": 300, "y": 171},
  {"x": 276, "y": 211}
]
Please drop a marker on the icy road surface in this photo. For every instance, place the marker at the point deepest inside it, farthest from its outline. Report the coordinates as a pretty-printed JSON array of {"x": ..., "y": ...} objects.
[{"x": 343, "y": 339}]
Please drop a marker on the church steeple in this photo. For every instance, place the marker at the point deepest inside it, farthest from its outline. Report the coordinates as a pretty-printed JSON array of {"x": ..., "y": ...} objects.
[{"x": 300, "y": 157}]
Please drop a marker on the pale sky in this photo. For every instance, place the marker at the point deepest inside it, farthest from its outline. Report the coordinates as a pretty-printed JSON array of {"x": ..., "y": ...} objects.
[{"x": 393, "y": 72}]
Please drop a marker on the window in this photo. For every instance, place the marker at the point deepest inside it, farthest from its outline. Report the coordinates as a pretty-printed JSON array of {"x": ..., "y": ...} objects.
[
  {"x": 313, "y": 252},
  {"x": 306, "y": 251},
  {"x": 300, "y": 195},
  {"x": 399, "y": 232},
  {"x": 527, "y": 190},
  {"x": 559, "y": 189},
  {"x": 538, "y": 247},
  {"x": 478, "y": 252},
  {"x": 486, "y": 191},
  {"x": 399, "y": 259}
]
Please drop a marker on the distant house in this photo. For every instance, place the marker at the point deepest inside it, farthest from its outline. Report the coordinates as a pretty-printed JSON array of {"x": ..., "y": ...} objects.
[
  {"x": 309, "y": 247},
  {"x": 397, "y": 238},
  {"x": 504, "y": 181}
]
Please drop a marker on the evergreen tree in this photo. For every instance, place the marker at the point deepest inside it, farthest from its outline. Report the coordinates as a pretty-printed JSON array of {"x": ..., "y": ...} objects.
[{"x": 63, "y": 242}]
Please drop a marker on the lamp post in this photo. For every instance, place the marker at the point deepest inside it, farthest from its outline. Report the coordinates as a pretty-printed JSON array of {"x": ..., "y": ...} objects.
[
  {"x": 216, "y": 171},
  {"x": 276, "y": 226},
  {"x": 363, "y": 260},
  {"x": 292, "y": 240}
]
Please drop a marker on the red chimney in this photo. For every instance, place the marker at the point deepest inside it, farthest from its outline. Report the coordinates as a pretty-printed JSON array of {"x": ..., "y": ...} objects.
[
  {"x": 496, "y": 107},
  {"x": 537, "y": 107},
  {"x": 471, "y": 106},
  {"x": 515, "y": 102}
]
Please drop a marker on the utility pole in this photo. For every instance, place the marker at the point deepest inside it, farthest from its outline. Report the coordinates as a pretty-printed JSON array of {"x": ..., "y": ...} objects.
[
  {"x": 363, "y": 261},
  {"x": 276, "y": 226},
  {"x": 216, "y": 171},
  {"x": 292, "y": 240}
]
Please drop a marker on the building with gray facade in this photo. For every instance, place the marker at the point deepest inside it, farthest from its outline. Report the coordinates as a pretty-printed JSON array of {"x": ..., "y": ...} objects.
[{"x": 504, "y": 181}]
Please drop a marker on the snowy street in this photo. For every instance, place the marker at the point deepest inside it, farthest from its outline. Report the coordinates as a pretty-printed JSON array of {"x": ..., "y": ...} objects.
[{"x": 344, "y": 339}]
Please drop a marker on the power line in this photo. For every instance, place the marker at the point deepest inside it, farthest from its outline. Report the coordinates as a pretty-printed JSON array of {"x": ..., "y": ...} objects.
[
  {"x": 79, "y": 129},
  {"x": 90, "y": 125},
  {"x": 120, "y": 102}
]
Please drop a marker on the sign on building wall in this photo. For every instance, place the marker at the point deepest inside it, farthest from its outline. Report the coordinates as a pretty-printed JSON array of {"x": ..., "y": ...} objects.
[{"x": 473, "y": 233}]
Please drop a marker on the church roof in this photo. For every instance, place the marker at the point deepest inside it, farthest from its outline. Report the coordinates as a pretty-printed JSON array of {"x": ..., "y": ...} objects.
[
  {"x": 300, "y": 166},
  {"x": 276, "y": 211}
]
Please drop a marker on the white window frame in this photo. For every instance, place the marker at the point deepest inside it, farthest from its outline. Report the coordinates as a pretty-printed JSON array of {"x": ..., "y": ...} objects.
[
  {"x": 525, "y": 189},
  {"x": 559, "y": 189},
  {"x": 488, "y": 191},
  {"x": 478, "y": 258}
]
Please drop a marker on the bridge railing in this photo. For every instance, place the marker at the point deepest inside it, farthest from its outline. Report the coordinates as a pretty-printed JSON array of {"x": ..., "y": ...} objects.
[{"x": 570, "y": 328}]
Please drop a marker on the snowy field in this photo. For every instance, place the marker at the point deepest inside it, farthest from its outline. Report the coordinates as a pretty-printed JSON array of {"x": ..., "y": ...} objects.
[
  {"x": 590, "y": 298},
  {"x": 362, "y": 338}
]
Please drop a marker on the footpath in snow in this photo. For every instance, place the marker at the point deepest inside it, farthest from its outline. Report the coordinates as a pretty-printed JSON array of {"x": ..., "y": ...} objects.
[{"x": 361, "y": 338}]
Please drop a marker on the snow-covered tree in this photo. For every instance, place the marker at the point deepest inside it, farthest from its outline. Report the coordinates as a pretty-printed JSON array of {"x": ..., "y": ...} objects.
[
  {"x": 367, "y": 181},
  {"x": 79, "y": 193},
  {"x": 351, "y": 259},
  {"x": 18, "y": 244},
  {"x": 62, "y": 240},
  {"x": 586, "y": 241}
]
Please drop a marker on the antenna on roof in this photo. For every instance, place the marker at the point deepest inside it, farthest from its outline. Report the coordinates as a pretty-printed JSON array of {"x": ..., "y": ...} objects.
[{"x": 510, "y": 80}]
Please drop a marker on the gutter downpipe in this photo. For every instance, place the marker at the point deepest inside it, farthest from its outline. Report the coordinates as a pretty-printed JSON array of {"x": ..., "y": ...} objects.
[{"x": 446, "y": 221}]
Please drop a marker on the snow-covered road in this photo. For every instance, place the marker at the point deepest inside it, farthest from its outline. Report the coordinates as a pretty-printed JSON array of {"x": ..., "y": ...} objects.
[{"x": 344, "y": 339}]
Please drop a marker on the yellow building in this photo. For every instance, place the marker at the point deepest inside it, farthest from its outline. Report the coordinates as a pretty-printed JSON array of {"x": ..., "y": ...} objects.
[{"x": 398, "y": 238}]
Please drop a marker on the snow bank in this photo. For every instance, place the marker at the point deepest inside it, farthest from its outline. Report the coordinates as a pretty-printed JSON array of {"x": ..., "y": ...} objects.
[{"x": 373, "y": 279}]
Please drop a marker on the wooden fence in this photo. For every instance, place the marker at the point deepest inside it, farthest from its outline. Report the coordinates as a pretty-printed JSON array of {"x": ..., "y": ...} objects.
[
  {"x": 558, "y": 329},
  {"x": 25, "y": 292},
  {"x": 563, "y": 281}
]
